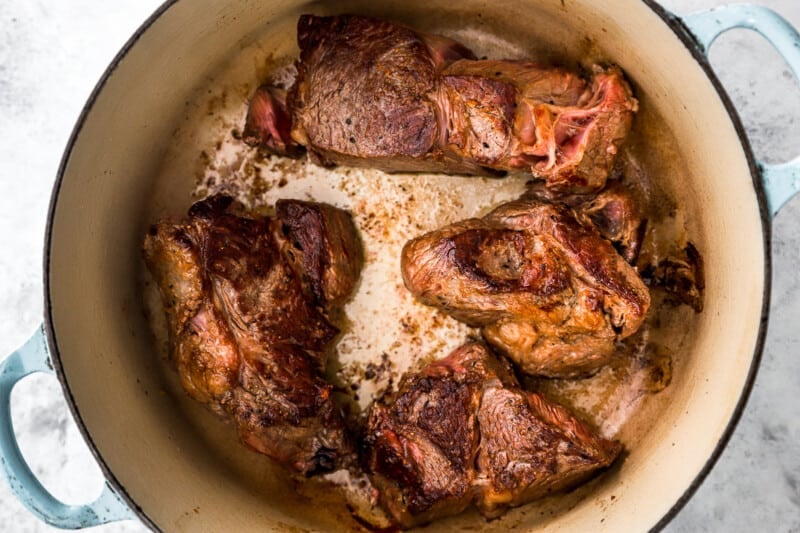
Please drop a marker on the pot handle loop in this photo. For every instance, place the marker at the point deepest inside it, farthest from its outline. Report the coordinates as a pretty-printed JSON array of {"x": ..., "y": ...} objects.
[
  {"x": 781, "y": 181},
  {"x": 108, "y": 507}
]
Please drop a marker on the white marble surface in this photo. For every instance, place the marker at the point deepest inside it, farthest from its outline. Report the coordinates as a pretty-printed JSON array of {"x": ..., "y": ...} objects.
[{"x": 51, "y": 55}]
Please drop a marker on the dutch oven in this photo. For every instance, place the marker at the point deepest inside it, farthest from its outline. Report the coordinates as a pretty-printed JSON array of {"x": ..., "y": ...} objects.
[{"x": 97, "y": 341}]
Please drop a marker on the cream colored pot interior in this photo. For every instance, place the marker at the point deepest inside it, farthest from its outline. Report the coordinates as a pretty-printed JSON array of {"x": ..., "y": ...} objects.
[{"x": 183, "y": 468}]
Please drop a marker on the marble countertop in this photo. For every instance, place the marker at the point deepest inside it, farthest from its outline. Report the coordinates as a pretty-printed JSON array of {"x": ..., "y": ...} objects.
[{"x": 52, "y": 54}]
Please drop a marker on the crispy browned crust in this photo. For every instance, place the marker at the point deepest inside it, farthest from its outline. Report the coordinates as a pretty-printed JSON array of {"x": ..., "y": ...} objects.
[
  {"x": 247, "y": 335},
  {"x": 462, "y": 432},
  {"x": 536, "y": 448},
  {"x": 322, "y": 244},
  {"x": 370, "y": 93},
  {"x": 548, "y": 292},
  {"x": 360, "y": 89}
]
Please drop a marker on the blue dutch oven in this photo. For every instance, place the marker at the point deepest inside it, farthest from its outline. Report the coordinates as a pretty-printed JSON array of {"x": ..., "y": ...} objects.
[{"x": 171, "y": 476}]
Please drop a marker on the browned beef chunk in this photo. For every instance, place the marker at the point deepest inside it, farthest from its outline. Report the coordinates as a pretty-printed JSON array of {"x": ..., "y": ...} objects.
[
  {"x": 462, "y": 432},
  {"x": 534, "y": 448},
  {"x": 246, "y": 337},
  {"x": 617, "y": 213},
  {"x": 372, "y": 93},
  {"x": 476, "y": 119},
  {"x": 548, "y": 292},
  {"x": 421, "y": 445},
  {"x": 360, "y": 95},
  {"x": 320, "y": 244},
  {"x": 564, "y": 130}
]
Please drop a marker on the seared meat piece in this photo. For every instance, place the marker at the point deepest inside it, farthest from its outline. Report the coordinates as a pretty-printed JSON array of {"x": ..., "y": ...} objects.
[
  {"x": 462, "y": 432},
  {"x": 247, "y": 320},
  {"x": 421, "y": 446},
  {"x": 617, "y": 213},
  {"x": 618, "y": 216},
  {"x": 362, "y": 94},
  {"x": 532, "y": 447},
  {"x": 549, "y": 293},
  {"x": 372, "y": 93},
  {"x": 320, "y": 244},
  {"x": 476, "y": 116},
  {"x": 562, "y": 129}
]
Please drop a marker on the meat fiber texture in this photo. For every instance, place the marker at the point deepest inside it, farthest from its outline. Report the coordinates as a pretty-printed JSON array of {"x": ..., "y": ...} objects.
[
  {"x": 551, "y": 294},
  {"x": 247, "y": 300},
  {"x": 371, "y": 93},
  {"x": 462, "y": 432}
]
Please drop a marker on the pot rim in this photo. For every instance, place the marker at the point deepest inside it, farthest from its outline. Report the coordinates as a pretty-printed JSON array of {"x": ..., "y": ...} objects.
[
  {"x": 681, "y": 31},
  {"x": 696, "y": 49}
]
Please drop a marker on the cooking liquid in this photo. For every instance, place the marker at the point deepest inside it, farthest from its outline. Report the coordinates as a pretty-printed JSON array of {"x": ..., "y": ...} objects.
[{"x": 385, "y": 331}]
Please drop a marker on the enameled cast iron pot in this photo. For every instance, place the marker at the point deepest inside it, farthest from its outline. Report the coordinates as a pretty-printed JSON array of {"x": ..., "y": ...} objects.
[{"x": 95, "y": 338}]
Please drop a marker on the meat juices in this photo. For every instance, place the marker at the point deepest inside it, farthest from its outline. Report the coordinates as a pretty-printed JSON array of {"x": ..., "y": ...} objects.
[
  {"x": 463, "y": 432},
  {"x": 370, "y": 93},
  {"x": 247, "y": 300},
  {"x": 549, "y": 293}
]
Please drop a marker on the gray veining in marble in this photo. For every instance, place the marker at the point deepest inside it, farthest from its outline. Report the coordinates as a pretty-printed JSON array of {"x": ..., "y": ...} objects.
[{"x": 51, "y": 55}]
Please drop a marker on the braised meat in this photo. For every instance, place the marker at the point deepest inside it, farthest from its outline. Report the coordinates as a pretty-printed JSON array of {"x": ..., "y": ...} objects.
[
  {"x": 463, "y": 432},
  {"x": 549, "y": 293},
  {"x": 363, "y": 94},
  {"x": 563, "y": 129},
  {"x": 618, "y": 216},
  {"x": 247, "y": 300},
  {"x": 617, "y": 212},
  {"x": 372, "y": 93},
  {"x": 321, "y": 244}
]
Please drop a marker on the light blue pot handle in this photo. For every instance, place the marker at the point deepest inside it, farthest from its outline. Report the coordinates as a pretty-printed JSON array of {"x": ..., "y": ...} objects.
[
  {"x": 108, "y": 507},
  {"x": 781, "y": 182}
]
